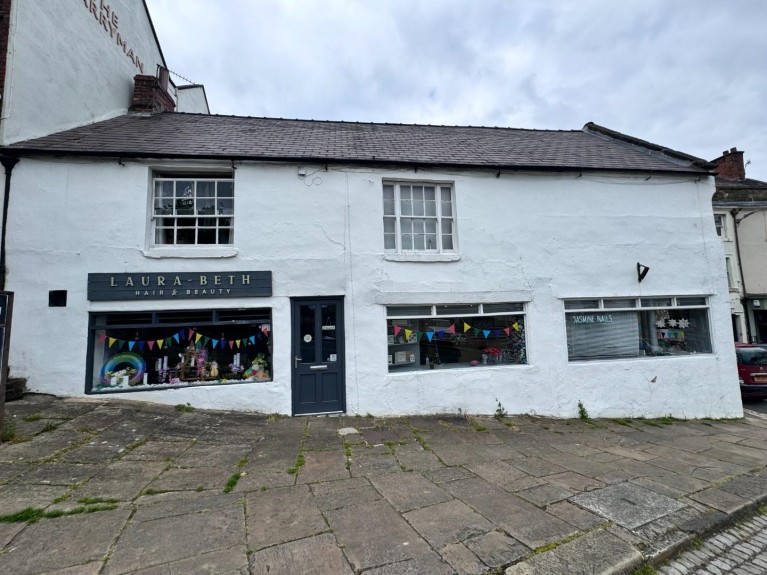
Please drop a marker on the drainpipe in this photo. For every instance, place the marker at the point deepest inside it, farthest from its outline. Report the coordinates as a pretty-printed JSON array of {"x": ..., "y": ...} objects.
[
  {"x": 744, "y": 299},
  {"x": 8, "y": 163}
]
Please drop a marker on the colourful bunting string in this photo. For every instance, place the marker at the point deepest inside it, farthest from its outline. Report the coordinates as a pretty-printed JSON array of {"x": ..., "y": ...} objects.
[
  {"x": 429, "y": 335},
  {"x": 150, "y": 344},
  {"x": 486, "y": 332},
  {"x": 112, "y": 341},
  {"x": 397, "y": 329}
]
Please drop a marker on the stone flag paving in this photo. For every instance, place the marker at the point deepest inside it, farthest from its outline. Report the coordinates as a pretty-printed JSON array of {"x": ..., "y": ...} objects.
[{"x": 109, "y": 487}]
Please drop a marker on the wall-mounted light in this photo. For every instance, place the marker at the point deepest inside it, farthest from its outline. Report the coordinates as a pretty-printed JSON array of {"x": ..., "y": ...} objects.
[{"x": 641, "y": 271}]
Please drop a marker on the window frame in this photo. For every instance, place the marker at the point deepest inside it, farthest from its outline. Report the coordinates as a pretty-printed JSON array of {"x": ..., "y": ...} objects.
[
  {"x": 439, "y": 217},
  {"x": 208, "y": 320},
  {"x": 155, "y": 219},
  {"x": 720, "y": 224},
  {"x": 515, "y": 308},
  {"x": 639, "y": 305}
]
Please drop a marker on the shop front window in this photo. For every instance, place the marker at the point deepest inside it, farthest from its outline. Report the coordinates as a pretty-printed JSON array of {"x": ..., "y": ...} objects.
[
  {"x": 169, "y": 349},
  {"x": 637, "y": 327},
  {"x": 459, "y": 335}
]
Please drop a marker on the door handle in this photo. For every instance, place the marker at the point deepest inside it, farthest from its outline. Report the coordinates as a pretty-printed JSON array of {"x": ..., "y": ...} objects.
[
  {"x": 295, "y": 362},
  {"x": 318, "y": 367}
]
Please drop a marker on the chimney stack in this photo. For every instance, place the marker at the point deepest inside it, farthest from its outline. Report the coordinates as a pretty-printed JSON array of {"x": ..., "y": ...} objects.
[
  {"x": 149, "y": 95},
  {"x": 730, "y": 165}
]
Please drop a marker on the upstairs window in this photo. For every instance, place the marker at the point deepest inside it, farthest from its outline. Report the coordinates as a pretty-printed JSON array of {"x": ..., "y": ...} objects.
[
  {"x": 192, "y": 211},
  {"x": 720, "y": 223},
  {"x": 418, "y": 217}
]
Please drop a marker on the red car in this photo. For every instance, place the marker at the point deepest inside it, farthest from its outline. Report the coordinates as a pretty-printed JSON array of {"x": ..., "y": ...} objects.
[{"x": 752, "y": 370}]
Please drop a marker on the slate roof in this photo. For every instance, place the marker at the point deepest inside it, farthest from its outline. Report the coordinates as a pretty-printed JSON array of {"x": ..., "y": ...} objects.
[
  {"x": 739, "y": 191},
  {"x": 179, "y": 135}
]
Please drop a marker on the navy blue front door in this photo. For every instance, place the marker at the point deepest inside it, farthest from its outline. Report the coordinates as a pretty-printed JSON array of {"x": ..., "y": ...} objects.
[{"x": 318, "y": 356}]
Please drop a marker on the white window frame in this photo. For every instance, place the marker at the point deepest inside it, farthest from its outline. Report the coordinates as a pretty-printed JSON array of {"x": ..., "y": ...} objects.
[
  {"x": 514, "y": 308},
  {"x": 597, "y": 305},
  {"x": 218, "y": 217},
  {"x": 721, "y": 230},
  {"x": 439, "y": 217}
]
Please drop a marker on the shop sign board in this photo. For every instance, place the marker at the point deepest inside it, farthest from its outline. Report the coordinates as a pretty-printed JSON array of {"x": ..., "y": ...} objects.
[{"x": 172, "y": 286}]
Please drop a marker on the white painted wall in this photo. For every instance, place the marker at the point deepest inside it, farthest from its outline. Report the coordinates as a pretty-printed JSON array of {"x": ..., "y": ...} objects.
[
  {"x": 65, "y": 67},
  {"x": 527, "y": 237},
  {"x": 192, "y": 100}
]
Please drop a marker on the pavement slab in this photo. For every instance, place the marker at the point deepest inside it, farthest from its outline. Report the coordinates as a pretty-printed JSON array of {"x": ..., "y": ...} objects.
[
  {"x": 720, "y": 500},
  {"x": 387, "y": 539},
  {"x": 408, "y": 491},
  {"x": 14, "y": 498},
  {"x": 337, "y": 494},
  {"x": 596, "y": 553},
  {"x": 449, "y": 522},
  {"x": 462, "y": 560},
  {"x": 190, "y": 478},
  {"x": 318, "y": 554},
  {"x": 229, "y": 561},
  {"x": 521, "y": 520},
  {"x": 282, "y": 515},
  {"x": 122, "y": 480},
  {"x": 626, "y": 504},
  {"x": 323, "y": 466},
  {"x": 150, "y": 543},
  {"x": 496, "y": 549},
  {"x": 63, "y": 542},
  {"x": 60, "y": 473}
]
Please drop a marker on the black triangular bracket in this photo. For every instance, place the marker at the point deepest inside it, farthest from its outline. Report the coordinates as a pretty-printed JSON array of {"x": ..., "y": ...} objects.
[{"x": 641, "y": 271}]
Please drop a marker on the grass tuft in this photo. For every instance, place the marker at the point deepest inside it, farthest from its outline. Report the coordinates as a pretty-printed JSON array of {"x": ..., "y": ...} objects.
[{"x": 185, "y": 408}]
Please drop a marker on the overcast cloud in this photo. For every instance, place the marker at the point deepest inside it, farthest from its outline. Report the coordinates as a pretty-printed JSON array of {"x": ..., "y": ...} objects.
[{"x": 687, "y": 74}]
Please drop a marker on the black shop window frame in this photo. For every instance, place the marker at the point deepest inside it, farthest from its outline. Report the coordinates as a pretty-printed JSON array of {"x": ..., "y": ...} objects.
[{"x": 196, "y": 329}]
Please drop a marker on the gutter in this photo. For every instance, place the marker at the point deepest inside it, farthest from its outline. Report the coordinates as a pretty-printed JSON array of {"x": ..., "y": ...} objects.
[{"x": 37, "y": 152}]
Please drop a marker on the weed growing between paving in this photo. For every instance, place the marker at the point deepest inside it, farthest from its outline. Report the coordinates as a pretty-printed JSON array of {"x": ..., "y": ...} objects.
[
  {"x": 500, "y": 411},
  {"x": 8, "y": 432},
  {"x": 185, "y": 408}
]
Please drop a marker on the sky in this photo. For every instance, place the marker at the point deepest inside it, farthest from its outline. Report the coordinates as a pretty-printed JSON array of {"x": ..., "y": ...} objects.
[{"x": 690, "y": 75}]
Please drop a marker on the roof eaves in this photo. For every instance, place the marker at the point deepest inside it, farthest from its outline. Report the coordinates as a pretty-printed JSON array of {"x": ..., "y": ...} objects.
[{"x": 127, "y": 154}]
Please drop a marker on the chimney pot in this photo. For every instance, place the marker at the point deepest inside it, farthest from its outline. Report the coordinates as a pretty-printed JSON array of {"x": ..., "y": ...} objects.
[{"x": 733, "y": 150}]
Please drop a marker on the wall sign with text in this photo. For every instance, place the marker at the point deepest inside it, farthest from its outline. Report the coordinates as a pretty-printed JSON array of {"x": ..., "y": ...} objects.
[{"x": 189, "y": 285}]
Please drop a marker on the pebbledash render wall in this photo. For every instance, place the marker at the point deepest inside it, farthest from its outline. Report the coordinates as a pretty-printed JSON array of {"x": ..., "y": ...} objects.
[
  {"x": 531, "y": 237},
  {"x": 72, "y": 63}
]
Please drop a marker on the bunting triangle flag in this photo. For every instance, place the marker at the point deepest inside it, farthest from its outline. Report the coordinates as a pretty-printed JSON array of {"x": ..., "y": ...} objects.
[
  {"x": 238, "y": 344},
  {"x": 122, "y": 343},
  {"x": 102, "y": 338},
  {"x": 231, "y": 344},
  {"x": 141, "y": 346},
  {"x": 515, "y": 325},
  {"x": 418, "y": 335},
  {"x": 191, "y": 333},
  {"x": 441, "y": 333},
  {"x": 160, "y": 342},
  {"x": 150, "y": 344},
  {"x": 197, "y": 337},
  {"x": 466, "y": 327},
  {"x": 407, "y": 334},
  {"x": 177, "y": 338},
  {"x": 130, "y": 345},
  {"x": 497, "y": 333},
  {"x": 477, "y": 331},
  {"x": 252, "y": 339},
  {"x": 205, "y": 341},
  {"x": 451, "y": 329},
  {"x": 507, "y": 330},
  {"x": 244, "y": 341},
  {"x": 112, "y": 341},
  {"x": 215, "y": 343},
  {"x": 429, "y": 335},
  {"x": 486, "y": 332},
  {"x": 397, "y": 329}
]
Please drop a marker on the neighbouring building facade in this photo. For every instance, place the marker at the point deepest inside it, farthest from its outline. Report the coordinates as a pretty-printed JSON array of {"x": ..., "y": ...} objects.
[
  {"x": 327, "y": 267},
  {"x": 740, "y": 217}
]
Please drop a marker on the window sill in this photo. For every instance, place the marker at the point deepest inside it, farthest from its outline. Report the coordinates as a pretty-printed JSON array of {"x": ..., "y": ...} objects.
[
  {"x": 417, "y": 257},
  {"x": 191, "y": 252}
]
